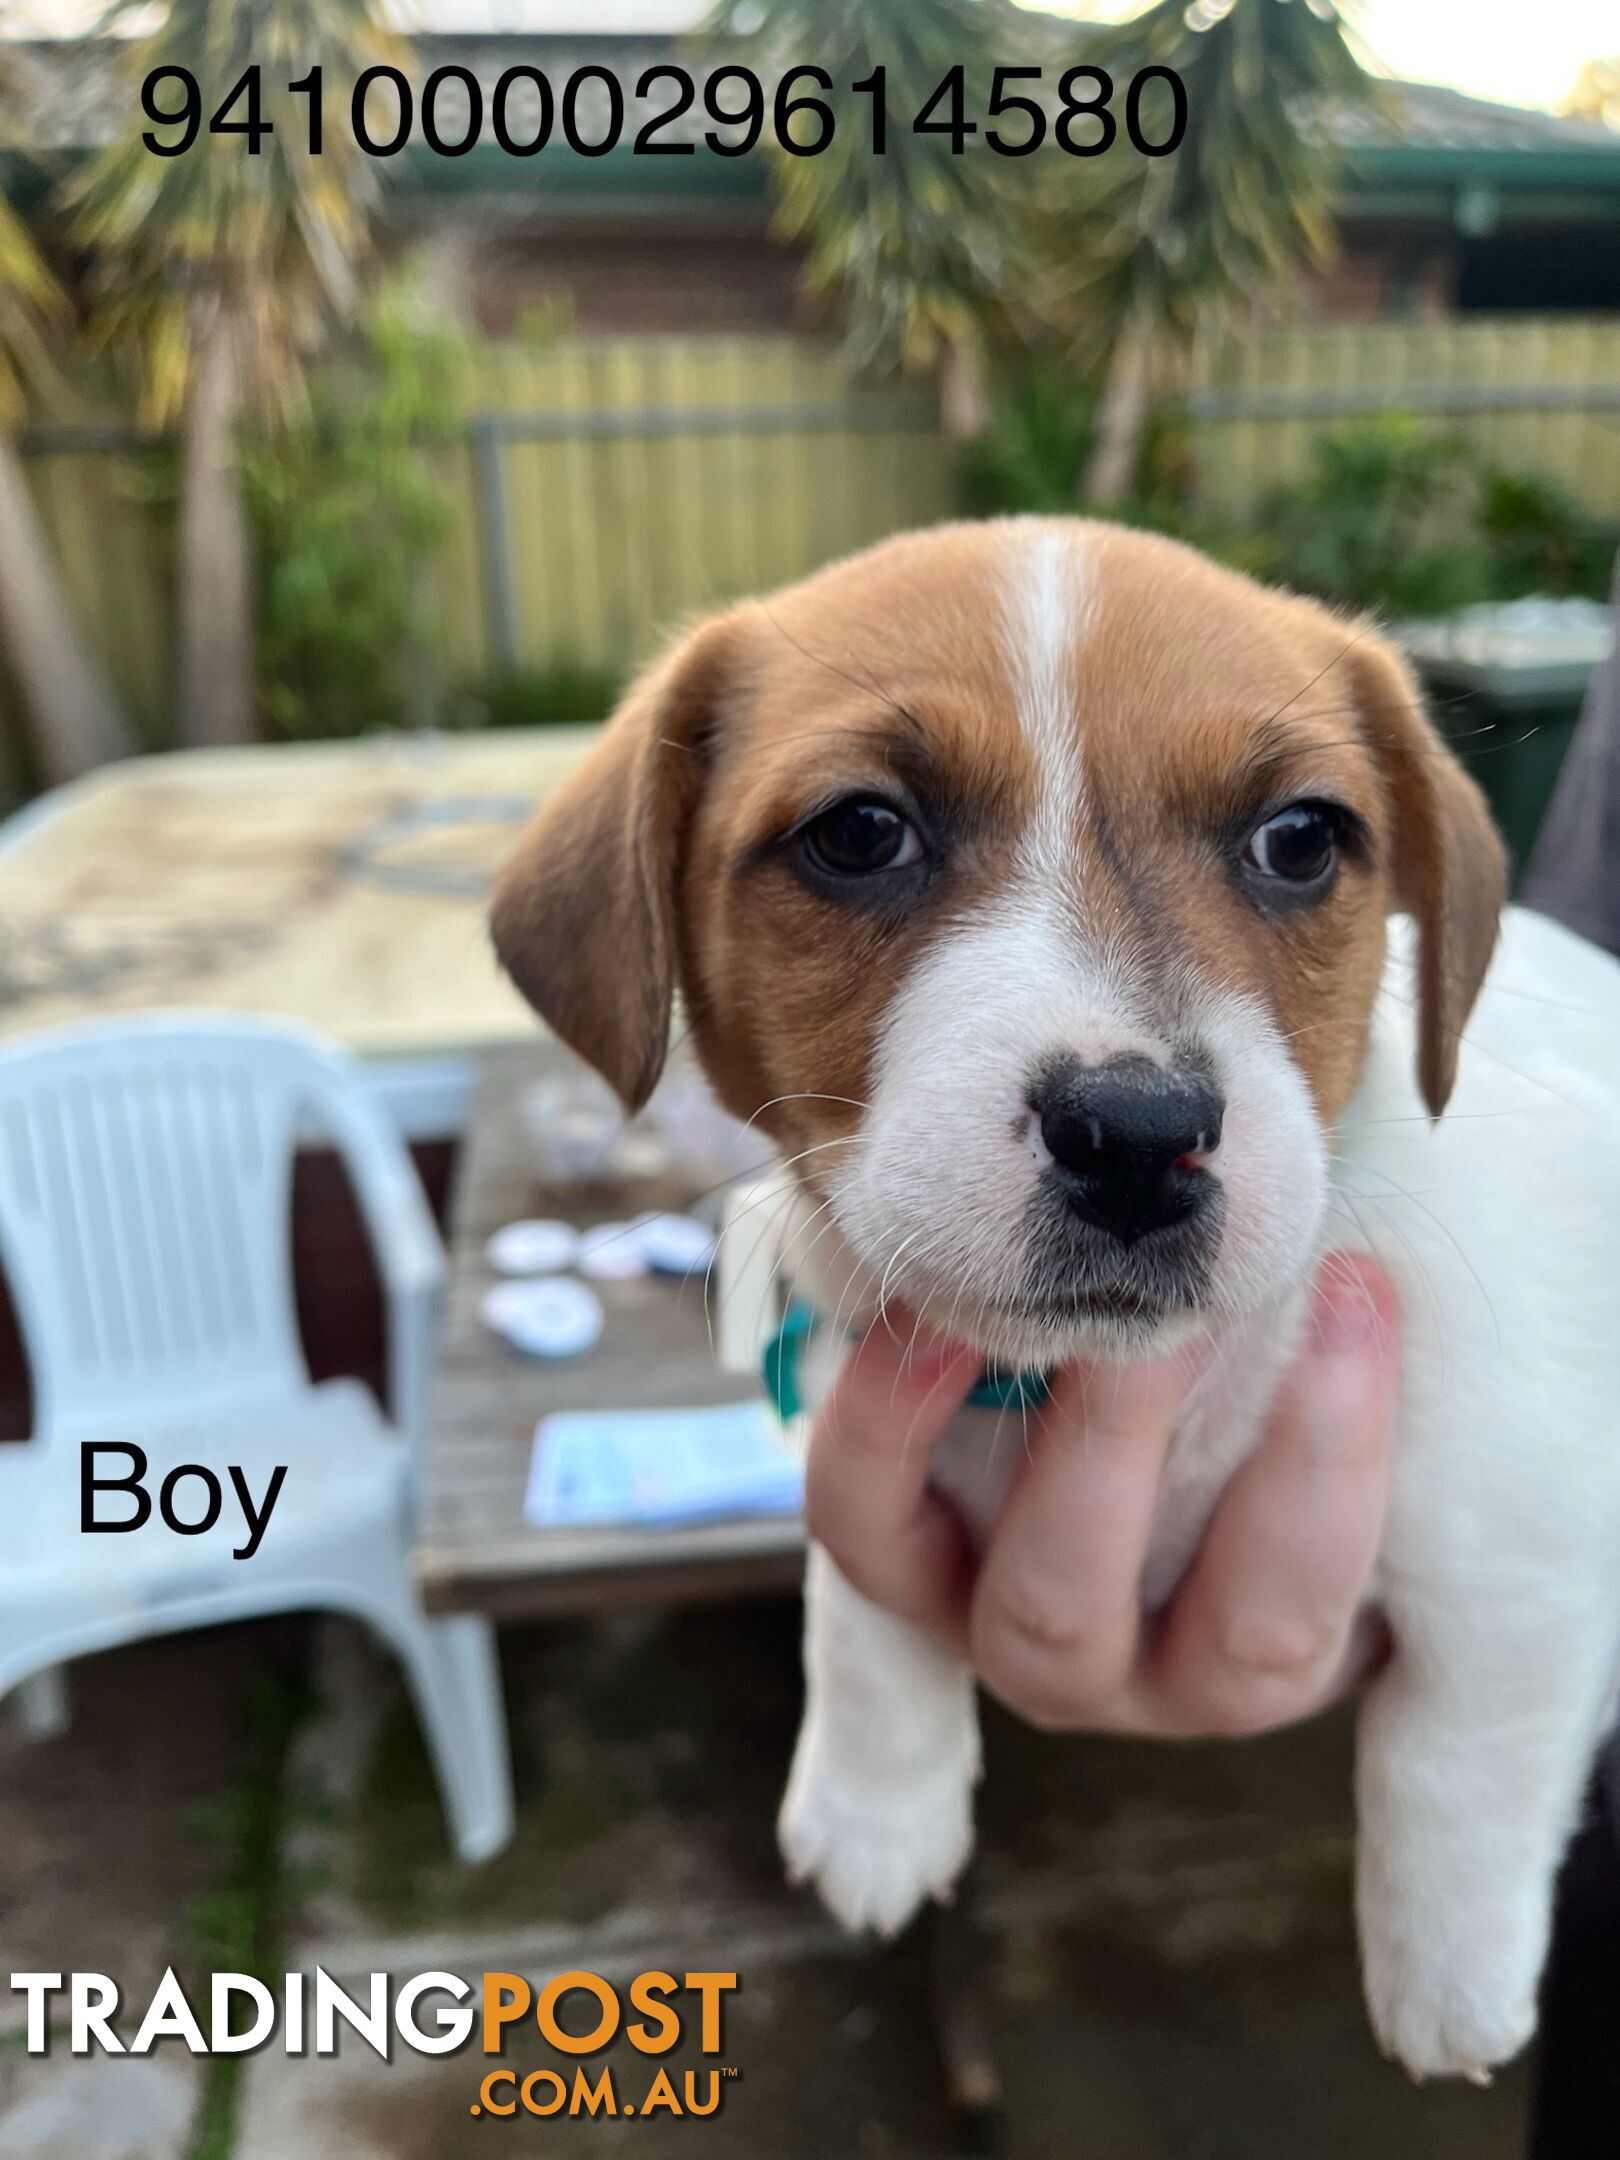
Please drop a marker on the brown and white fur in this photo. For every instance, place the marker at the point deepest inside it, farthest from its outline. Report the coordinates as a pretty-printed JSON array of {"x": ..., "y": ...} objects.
[{"x": 1082, "y": 728}]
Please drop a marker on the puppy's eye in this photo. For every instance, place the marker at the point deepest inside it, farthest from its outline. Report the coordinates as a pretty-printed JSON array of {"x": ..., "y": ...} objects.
[
  {"x": 1299, "y": 845},
  {"x": 859, "y": 837}
]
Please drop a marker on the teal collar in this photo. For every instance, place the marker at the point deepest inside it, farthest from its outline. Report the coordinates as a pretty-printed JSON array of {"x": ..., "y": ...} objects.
[{"x": 783, "y": 1360}]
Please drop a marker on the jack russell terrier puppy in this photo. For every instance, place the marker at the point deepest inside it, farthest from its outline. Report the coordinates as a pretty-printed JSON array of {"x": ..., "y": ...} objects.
[{"x": 1028, "y": 881}]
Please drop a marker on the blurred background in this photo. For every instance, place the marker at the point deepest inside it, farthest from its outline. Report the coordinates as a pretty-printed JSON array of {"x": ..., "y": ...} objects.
[
  {"x": 309, "y": 446},
  {"x": 339, "y": 495}
]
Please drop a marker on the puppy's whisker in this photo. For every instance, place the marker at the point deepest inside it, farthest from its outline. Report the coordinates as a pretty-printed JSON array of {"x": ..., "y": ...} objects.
[
  {"x": 1582, "y": 1110},
  {"x": 869, "y": 688},
  {"x": 802, "y": 1253},
  {"x": 1354, "y": 639},
  {"x": 803, "y": 1095},
  {"x": 767, "y": 1200},
  {"x": 1399, "y": 1192}
]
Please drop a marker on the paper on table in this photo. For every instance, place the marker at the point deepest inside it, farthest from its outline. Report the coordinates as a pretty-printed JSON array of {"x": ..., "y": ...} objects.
[{"x": 659, "y": 1467}]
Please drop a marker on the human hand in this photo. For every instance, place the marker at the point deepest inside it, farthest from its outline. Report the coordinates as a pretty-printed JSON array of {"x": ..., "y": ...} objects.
[{"x": 1265, "y": 1628}]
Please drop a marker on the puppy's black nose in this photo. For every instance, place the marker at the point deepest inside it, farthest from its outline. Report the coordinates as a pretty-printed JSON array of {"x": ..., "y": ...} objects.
[{"x": 1123, "y": 1137}]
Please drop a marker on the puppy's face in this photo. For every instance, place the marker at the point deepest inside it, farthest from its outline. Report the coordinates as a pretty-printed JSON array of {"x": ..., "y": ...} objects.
[{"x": 1027, "y": 882}]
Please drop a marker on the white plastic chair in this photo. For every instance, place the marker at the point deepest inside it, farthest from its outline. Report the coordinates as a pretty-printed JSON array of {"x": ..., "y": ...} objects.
[{"x": 145, "y": 1204}]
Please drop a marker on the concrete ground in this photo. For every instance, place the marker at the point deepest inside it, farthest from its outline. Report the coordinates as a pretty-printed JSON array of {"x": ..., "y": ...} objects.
[
  {"x": 1156, "y": 1940},
  {"x": 117, "y": 1856}
]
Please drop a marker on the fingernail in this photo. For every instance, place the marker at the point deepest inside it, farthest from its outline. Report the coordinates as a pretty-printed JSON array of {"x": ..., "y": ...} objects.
[{"x": 1350, "y": 1305}]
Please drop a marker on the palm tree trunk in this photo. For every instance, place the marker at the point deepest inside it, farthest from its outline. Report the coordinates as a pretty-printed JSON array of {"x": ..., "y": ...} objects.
[
  {"x": 74, "y": 720},
  {"x": 215, "y": 560},
  {"x": 1116, "y": 453},
  {"x": 964, "y": 401}
]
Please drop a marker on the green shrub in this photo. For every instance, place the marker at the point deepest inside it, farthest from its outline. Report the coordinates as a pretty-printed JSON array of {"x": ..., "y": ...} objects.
[
  {"x": 1392, "y": 514},
  {"x": 1539, "y": 540},
  {"x": 1031, "y": 455},
  {"x": 348, "y": 513},
  {"x": 1410, "y": 520},
  {"x": 1035, "y": 448},
  {"x": 564, "y": 690},
  {"x": 1385, "y": 518}
]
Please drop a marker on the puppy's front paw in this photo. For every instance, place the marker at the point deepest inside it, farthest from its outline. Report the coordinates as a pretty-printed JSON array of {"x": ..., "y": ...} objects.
[
  {"x": 875, "y": 1850},
  {"x": 1457, "y": 2000}
]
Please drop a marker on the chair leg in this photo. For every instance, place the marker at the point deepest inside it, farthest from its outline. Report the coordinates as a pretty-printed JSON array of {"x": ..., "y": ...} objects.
[
  {"x": 43, "y": 1709},
  {"x": 454, "y": 1674}
]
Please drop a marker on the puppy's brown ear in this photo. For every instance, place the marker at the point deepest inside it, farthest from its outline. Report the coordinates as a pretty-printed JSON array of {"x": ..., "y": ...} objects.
[
  {"x": 583, "y": 917},
  {"x": 1449, "y": 866}
]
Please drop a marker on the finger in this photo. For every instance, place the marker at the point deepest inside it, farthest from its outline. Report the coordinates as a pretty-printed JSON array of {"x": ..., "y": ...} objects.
[
  {"x": 1264, "y": 1631},
  {"x": 867, "y": 1497},
  {"x": 1056, "y": 1616}
]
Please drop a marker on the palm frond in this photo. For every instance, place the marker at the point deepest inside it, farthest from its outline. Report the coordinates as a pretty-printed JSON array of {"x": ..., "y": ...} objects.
[
  {"x": 913, "y": 243},
  {"x": 1244, "y": 201},
  {"x": 32, "y": 306},
  {"x": 277, "y": 240}
]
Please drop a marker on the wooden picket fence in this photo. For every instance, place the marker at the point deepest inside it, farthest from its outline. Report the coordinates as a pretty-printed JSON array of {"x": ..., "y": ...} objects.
[
  {"x": 605, "y": 489},
  {"x": 104, "y": 496},
  {"x": 608, "y": 487},
  {"x": 1538, "y": 394},
  {"x": 615, "y": 485}
]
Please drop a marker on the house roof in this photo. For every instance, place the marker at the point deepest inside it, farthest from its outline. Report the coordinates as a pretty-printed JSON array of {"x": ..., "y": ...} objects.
[
  {"x": 77, "y": 91},
  {"x": 596, "y": 18},
  {"x": 1428, "y": 116}
]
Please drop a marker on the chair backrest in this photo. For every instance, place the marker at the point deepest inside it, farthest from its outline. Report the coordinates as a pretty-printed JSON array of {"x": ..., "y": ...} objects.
[{"x": 145, "y": 1190}]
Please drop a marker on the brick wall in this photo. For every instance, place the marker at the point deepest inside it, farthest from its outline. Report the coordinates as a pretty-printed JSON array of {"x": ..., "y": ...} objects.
[{"x": 642, "y": 281}]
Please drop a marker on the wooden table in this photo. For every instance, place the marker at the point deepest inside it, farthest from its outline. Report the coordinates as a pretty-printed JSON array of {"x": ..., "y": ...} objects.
[
  {"x": 475, "y": 1552},
  {"x": 342, "y": 884}
]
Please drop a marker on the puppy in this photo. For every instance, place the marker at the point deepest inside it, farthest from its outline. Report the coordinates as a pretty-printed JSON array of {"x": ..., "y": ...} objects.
[{"x": 1028, "y": 882}]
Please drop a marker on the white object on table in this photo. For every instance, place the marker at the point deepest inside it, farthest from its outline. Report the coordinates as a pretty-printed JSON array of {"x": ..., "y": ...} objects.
[
  {"x": 674, "y": 1244},
  {"x": 611, "y": 1252},
  {"x": 533, "y": 1248},
  {"x": 546, "y": 1316}
]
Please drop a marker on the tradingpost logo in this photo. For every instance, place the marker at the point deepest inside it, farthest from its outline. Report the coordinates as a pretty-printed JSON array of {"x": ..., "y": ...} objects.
[
  {"x": 577, "y": 2015},
  {"x": 650, "y": 2022}
]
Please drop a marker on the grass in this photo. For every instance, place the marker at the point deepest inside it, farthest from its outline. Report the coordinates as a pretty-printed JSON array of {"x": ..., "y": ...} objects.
[{"x": 236, "y": 1926}]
